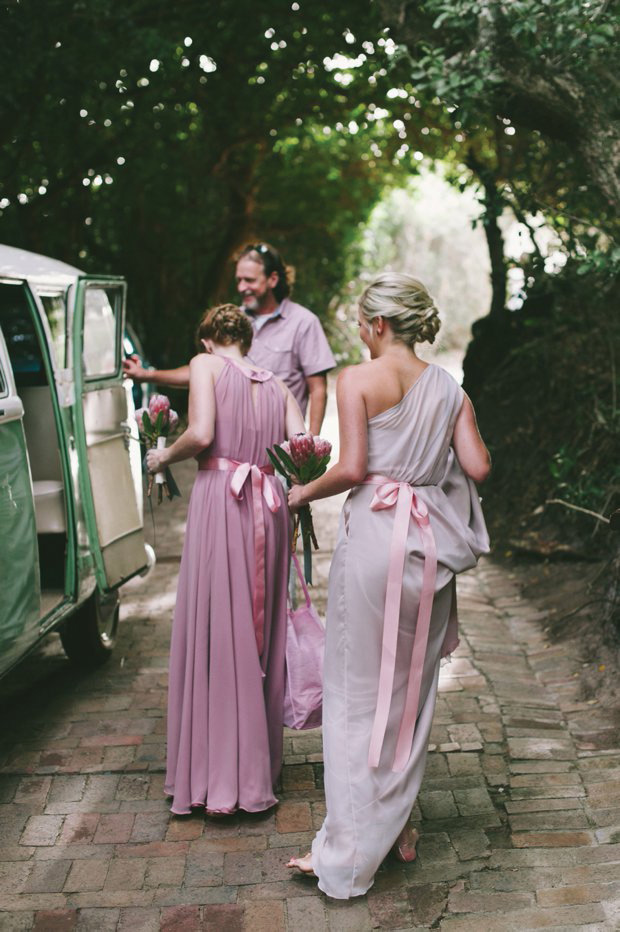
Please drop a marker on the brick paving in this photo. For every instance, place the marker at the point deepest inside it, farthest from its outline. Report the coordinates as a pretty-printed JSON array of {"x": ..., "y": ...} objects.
[{"x": 519, "y": 813}]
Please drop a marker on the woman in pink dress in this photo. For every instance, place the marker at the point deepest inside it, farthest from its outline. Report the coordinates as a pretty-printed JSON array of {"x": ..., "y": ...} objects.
[
  {"x": 410, "y": 452},
  {"x": 226, "y": 687}
]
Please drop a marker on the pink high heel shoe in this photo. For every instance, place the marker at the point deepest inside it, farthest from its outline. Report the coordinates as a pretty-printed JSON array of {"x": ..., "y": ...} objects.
[{"x": 403, "y": 848}]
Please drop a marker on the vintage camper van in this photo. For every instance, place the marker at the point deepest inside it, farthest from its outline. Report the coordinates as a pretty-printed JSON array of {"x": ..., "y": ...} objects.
[{"x": 71, "y": 529}]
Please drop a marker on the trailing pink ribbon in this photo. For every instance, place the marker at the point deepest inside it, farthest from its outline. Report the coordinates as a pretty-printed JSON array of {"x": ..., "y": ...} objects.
[
  {"x": 261, "y": 489},
  {"x": 389, "y": 494}
]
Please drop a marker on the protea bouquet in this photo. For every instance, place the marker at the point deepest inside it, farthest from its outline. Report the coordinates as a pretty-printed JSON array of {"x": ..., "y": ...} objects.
[
  {"x": 303, "y": 458},
  {"x": 154, "y": 424}
]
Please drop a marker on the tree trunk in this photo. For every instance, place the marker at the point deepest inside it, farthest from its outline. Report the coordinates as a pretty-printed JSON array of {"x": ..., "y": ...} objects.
[
  {"x": 495, "y": 242},
  {"x": 493, "y": 207}
]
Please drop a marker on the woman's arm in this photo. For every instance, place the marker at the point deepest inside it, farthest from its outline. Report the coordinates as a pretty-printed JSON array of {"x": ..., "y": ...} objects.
[
  {"x": 352, "y": 466},
  {"x": 294, "y": 417},
  {"x": 201, "y": 418},
  {"x": 468, "y": 444}
]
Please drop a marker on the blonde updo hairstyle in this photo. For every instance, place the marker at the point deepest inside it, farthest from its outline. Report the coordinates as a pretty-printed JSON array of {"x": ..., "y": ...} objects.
[
  {"x": 405, "y": 303},
  {"x": 225, "y": 325}
]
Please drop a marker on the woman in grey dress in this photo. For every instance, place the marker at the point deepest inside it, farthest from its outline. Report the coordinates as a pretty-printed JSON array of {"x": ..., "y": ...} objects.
[{"x": 410, "y": 452}]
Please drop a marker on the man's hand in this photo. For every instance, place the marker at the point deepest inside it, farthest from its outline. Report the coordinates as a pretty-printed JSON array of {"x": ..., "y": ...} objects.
[
  {"x": 132, "y": 369},
  {"x": 175, "y": 378}
]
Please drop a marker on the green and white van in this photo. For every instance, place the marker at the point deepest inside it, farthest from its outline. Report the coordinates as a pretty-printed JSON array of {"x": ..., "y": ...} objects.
[{"x": 71, "y": 527}]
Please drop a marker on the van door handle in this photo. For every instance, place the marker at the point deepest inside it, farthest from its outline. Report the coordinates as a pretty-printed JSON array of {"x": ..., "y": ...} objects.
[{"x": 126, "y": 429}]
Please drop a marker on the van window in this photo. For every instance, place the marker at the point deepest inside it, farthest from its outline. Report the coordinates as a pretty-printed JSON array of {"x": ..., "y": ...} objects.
[
  {"x": 102, "y": 307},
  {"x": 20, "y": 337},
  {"x": 55, "y": 311},
  {"x": 4, "y": 390}
]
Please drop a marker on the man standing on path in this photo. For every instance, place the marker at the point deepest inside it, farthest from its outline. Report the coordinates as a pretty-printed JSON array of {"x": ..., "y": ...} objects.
[{"x": 288, "y": 338}]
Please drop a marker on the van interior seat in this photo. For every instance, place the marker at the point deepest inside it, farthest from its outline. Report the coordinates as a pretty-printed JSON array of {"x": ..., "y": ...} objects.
[
  {"x": 42, "y": 443},
  {"x": 49, "y": 506}
]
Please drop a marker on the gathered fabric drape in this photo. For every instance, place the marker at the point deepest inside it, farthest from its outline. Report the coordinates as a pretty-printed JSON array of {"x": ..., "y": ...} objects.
[{"x": 375, "y": 757}]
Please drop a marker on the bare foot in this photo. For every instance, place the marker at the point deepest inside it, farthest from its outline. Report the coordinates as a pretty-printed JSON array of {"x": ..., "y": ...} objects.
[
  {"x": 303, "y": 865},
  {"x": 403, "y": 848}
]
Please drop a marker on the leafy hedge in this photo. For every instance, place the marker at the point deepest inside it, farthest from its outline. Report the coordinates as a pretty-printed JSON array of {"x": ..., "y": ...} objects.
[{"x": 548, "y": 405}]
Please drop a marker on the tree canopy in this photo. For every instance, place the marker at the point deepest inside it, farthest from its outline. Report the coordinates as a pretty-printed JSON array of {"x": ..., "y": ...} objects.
[
  {"x": 532, "y": 86},
  {"x": 545, "y": 65},
  {"x": 153, "y": 140}
]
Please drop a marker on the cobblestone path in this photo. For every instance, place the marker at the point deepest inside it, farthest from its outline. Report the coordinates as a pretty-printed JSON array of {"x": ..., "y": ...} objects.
[{"x": 519, "y": 814}]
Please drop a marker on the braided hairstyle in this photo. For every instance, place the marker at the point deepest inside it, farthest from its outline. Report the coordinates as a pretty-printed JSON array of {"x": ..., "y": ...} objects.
[
  {"x": 405, "y": 303},
  {"x": 271, "y": 261},
  {"x": 225, "y": 324}
]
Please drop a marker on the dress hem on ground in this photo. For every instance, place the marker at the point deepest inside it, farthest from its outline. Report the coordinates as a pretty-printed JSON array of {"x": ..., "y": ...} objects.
[
  {"x": 370, "y": 800},
  {"x": 194, "y": 806},
  {"x": 226, "y": 689}
]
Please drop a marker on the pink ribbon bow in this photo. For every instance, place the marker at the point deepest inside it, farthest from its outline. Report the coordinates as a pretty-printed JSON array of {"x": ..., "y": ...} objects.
[
  {"x": 401, "y": 495},
  {"x": 261, "y": 489}
]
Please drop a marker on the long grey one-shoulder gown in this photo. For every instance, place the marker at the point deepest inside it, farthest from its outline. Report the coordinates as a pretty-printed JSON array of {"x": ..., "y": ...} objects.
[{"x": 367, "y": 807}]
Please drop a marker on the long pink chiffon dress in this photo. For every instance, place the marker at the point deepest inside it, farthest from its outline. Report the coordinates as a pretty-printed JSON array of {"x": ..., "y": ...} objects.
[
  {"x": 403, "y": 534},
  {"x": 227, "y": 655}
]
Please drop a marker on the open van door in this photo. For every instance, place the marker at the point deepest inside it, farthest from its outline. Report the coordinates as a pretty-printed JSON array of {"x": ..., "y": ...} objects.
[
  {"x": 19, "y": 560},
  {"x": 105, "y": 431}
]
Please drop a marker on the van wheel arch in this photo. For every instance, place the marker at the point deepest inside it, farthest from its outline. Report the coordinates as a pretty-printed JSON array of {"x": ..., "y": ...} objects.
[{"x": 89, "y": 635}]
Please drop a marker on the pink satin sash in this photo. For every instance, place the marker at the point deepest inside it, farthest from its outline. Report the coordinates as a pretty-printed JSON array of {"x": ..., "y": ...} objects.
[
  {"x": 261, "y": 488},
  {"x": 391, "y": 493}
]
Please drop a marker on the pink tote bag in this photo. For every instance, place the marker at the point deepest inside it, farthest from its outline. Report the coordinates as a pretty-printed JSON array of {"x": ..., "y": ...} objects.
[{"x": 305, "y": 646}]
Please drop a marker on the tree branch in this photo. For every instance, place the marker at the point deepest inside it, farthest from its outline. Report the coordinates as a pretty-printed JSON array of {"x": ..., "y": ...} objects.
[{"x": 585, "y": 511}]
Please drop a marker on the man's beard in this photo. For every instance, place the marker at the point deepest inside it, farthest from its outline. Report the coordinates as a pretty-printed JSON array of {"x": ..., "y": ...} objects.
[{"x": 255, "y": 304}]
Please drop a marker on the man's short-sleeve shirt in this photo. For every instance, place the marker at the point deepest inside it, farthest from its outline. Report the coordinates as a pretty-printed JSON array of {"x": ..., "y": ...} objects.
[{"x": 292, "y": 345}]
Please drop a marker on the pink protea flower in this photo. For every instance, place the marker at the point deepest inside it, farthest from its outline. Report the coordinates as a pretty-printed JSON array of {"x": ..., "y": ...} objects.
[
  {"x": 138, "y": 416},
  {"x": 322, "y": 447},
  {"x": 307, "y": 460},
  {"x": 159, "y": 403},
  {"x": 173, "y": 420},
  {"x": 302, "y": 448}
]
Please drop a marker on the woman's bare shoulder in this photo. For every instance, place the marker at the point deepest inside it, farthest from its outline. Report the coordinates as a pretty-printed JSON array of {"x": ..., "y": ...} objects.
[
  {"x": 352, "y": 376},
  {"x": 206, "y": 363},
  {"x": 205, "y": 366}
]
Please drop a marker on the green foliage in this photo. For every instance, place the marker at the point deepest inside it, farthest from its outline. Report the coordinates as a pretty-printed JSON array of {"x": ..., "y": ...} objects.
[
  {"x": 325, "y": 190},
  {"x": 461, "y": 48},
  {"x": 575, "y": 481},
  {"x": 281, "y": 461},
  {"x": 425, "y": 228},
  {"x": 313, "y": 468},
  {"x": 530, "y": 86},
  {"x": 550, "y": 407},
  {"x": 153, "y": 140},
  {"x": 601, "y": 262}
]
